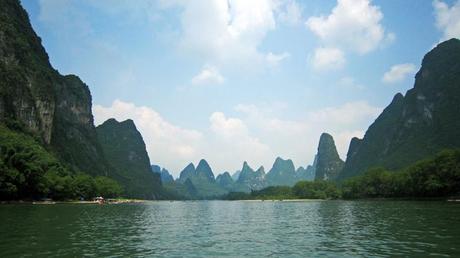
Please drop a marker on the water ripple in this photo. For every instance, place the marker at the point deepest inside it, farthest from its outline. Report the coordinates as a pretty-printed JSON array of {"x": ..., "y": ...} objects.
[{"x": 219, "y": 229}]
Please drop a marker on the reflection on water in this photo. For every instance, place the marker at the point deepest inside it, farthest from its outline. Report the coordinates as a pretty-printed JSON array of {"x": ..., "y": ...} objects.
[{"x": 219, "y": 228}]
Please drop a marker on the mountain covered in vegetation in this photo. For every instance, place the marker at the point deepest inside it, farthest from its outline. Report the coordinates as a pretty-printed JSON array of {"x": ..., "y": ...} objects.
[
  {"x": 48, "y": 146},
  {"x": 328, "y": 164},
  {"x": 36, "y": 98},
  {"x": 249, "y": 179},
  {"x": 124, "y": 148},
  {"x": 236, "y": 175},
  {"x": 199, "y": 182},
  {"x": 306, "y": 174},
  {"x": 282, "y": 172},
  {"x": 225, "y": 180},
  {"x": 417, "y": 125}
]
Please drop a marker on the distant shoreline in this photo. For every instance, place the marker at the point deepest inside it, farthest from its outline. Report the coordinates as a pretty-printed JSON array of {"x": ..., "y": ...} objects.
[{"x": 138, "y": 201}]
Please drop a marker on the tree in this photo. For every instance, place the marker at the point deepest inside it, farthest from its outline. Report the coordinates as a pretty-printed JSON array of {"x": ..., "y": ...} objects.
[{"x": 107, "y": 187}]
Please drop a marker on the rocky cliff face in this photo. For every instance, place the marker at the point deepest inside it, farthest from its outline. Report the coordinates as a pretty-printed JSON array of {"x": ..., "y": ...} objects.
[
  {"x": 27, "y": 78},
  {"x": 74, "y": 136},
  {"x": 419, "y": 124},
  {"x": 328, "y": 162},
  {"x": 36, "y": 98},
  {"x": 125, "y": 149}
]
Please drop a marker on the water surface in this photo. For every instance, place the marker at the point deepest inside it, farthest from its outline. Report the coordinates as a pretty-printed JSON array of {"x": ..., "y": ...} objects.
[{"x": 232, "y": 228}]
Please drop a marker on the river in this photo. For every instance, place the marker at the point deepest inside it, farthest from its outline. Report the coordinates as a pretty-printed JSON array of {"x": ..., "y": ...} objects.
[{"x": 233, "y": 229}]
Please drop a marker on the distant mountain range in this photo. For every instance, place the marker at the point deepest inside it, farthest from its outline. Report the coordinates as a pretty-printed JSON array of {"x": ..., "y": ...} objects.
[
  {"x": 165, "y": 176},
  {"x": 200, "y": 182}
]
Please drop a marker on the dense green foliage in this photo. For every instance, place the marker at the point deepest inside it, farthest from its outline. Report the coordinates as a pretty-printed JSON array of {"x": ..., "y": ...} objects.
[
  {"x": 301, "y": 190},
  {"x": 318, "y": 189},
  {"x": 435, "y": 177},
  {"x": 268, "y": 193},
  {"x": 274, "y": 192},
  {"x": 107, "y": 187},
  {"x": 29, "y": 171}
]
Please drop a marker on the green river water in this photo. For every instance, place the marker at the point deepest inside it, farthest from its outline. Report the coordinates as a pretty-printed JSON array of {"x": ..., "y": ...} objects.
[{"x": 232, "y": 229}]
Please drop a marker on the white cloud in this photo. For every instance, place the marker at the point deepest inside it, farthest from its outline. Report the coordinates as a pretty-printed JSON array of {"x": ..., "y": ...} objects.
[
  {"x": 226, "y": 31},
  {"x": 343, "y": 122},
  {"x": 227, "y": 127},
  {"x": 344, "y": 115},
  {"x": 353, "y": 25},
  {"x": 274, "y": 59},
  {"x": 328, "y": 59},
  {"x": 230, "y": 32},
  {"x": 291, "y": 13},
  {"x": 398, "y": 73},
  {"x": 447, "y": 19},
  {"x": 209, "y": 75},
  {"x": 234, "y": 140}
]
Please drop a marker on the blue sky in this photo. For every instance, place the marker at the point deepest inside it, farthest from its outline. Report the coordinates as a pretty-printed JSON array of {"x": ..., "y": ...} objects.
[{"x": 235, "y": 80}]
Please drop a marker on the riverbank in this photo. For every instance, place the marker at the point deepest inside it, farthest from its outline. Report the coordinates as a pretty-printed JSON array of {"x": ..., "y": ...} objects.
[
  {"x": 127, "y": 201},
  {"x": 50, "y": 202}
]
